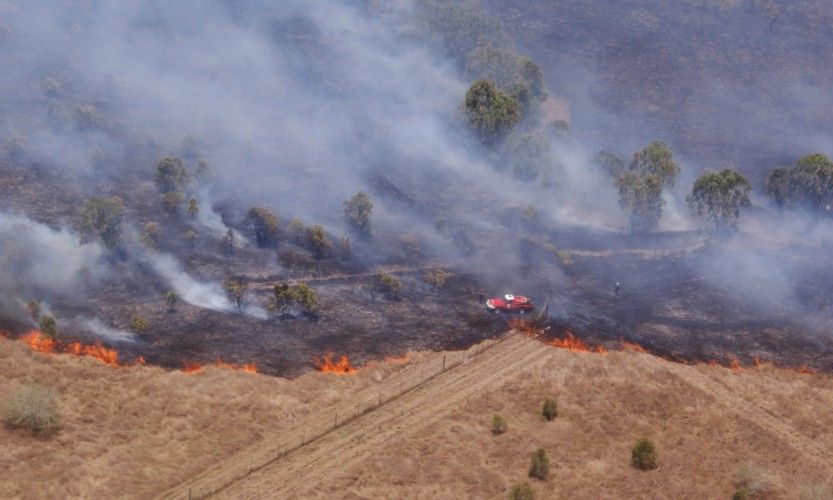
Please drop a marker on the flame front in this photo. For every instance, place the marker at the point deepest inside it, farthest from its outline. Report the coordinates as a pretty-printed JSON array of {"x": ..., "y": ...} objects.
[
  {"x": 328, "y": 365},
  {"x": 39, "y": 342},
  {"x": 570, "y": 342}
]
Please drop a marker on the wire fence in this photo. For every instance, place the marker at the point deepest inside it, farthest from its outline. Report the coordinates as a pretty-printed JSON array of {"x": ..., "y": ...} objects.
[{"x": 271, "y": 449}]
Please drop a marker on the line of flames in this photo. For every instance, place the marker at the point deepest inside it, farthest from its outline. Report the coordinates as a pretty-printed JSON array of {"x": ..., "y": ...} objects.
[
  {"x": 575, "y": 344},
  {"x": 44, "y": 344}
]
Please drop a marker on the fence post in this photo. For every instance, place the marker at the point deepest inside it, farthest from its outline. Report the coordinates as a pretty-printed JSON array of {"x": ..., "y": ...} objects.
[
  {"x": 189, "y": 493},
  {"x": 336, "y": 419},
  {"x": 380, "y": 398},
  {"x": 400, "y": 386},
  {"x": 443, "y": 362}
]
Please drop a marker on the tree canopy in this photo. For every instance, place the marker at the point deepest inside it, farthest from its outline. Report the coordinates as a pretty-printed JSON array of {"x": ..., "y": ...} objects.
[
  {"x": 357, "y": 211},
  {"x": 490, "y": 112},
  {"x": 102, "y": 218},
  {"x": 719, "y": 197},
  {"x": 262, "y": 224},
  {"x": 171, "y": 175},
  {"x": 808, "y": 184},
  {"x": 656, "y": 159},
  {"x": 640, "y": 196}
]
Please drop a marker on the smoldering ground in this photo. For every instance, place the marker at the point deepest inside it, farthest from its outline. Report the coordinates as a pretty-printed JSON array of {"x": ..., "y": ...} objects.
[{"x": 296, "y": 107}]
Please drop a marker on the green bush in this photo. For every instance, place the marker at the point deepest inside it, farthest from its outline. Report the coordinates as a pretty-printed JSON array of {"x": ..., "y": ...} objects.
[
  {"x": 539, "y": 464},
  {"x": 262, "y": 224},
  {"x": 740, "y": 494},
  {"x": 644, "y": 455},
  {"x": 317, "y": 242},
  {"x": 389, "y": 285},
  {"x": 139, "y": 324},
  {"x": 521, "y": 491},
  {"x": 550, "y": 409},
  {"x": 357, "y": 211},
  {"x": 48, "y": 327},
  {"x": 498, "y": 424},
  {"x": 102, "y": 219},
  {"x": 31, "y": 407}
]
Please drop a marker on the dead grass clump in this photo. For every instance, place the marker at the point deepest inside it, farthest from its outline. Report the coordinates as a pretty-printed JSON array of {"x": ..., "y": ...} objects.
[
  {"x": 644, "y": 455},
  {"x": 31, "y": 407},
  {"x": 521, "y": 491},
  {"x": 498, "y": 424},
  {"x": 755, "y": 481},
  {"x": 539, "y": 464},
  {"x": 550, "y": 409}
]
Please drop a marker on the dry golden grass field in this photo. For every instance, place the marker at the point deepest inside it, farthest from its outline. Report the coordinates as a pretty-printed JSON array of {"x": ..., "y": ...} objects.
[{"x": 139, "y": 432}]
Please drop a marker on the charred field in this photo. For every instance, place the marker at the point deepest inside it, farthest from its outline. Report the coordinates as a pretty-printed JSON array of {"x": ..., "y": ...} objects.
[
  {"x": 666, "y": 304},
  {"x": 218, "y": 199}
]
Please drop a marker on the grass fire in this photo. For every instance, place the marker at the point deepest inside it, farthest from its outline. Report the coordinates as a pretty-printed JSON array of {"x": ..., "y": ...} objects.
[{"x": 577, "y": 240}]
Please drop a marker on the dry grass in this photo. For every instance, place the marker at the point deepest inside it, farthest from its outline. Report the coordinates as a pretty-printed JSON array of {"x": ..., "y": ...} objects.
[
  {"x": 706, "y": 421},
  {"x": 134, "y": 432}
]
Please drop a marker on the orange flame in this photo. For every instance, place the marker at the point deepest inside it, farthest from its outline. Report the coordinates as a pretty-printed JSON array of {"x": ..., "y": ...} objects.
[
  {"x": 248, "y": 367},
  {"x": 328, "y": 365},
  {"x": 191, "y": 367},
  {"x": 39, "y": 342},
  {"x": 806, "y": 370},
  {"x": 734, "y": 364},
  {"x": 570, "y": 342}
]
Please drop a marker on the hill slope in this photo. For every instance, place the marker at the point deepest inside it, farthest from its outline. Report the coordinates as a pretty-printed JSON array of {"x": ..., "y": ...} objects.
[{"x": 435, "y": 442}]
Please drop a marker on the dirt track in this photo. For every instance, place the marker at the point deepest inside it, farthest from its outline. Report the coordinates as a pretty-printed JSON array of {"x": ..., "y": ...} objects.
[{"x": 351, "y": 452}]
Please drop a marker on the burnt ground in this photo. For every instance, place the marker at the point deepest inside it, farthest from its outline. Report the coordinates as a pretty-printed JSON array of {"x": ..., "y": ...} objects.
[{"x": 667, "y": 303}]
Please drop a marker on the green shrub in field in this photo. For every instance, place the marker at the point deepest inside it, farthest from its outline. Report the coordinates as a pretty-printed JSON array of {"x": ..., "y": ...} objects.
[
  {"x": 550, "y": 409},
  {"x": 644, "y": 455},
  {"x": 498, "y": 424},
  {"x": 539, "y": 464},
  {"x": 521, "y": 491}
]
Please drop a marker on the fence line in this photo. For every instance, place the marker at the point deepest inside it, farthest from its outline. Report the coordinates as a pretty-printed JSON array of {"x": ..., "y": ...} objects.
[{"x": 269, "y": 450}]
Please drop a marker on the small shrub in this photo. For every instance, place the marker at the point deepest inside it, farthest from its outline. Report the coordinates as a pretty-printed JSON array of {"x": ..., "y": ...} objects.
[
  {"x": 357, "y": 211},
  {"x": 31, "y": 407},
  {"x": 48, "y": 327},
  {"x": 539, "y": 464},
  {"x": 317, "y": 242},
  {"x": 139, "y": 323},
  {"x": 498, "y": 424},
  {"x": 740, "y": 494},
  {"x": 236, "y": 292},
  {"x": 306, "y": 297},
  {"x": 521, "y": 491},
  {"x": 389, "y": 285},
  {"x": 263, "y": 225},
  {"x": 193, "y": 207},
  {"x": 550, "y": 409},
  {"x": 644, "y": 455},
  {"x": 437, "y": 278},
  {"x": 190, "y": 237},
  {"x": 171, "y": 299}
]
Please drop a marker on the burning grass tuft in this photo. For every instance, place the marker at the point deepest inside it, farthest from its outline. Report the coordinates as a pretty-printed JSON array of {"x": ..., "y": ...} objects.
[{"x": 329, "y": 364}]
